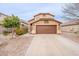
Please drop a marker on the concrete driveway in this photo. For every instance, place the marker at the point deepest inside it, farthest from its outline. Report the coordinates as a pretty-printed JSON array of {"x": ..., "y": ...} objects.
[{"x": 52, "y": 45}]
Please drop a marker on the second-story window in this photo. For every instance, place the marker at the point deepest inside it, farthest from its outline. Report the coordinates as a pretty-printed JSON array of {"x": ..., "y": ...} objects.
[
  {"x": 44, "y": 14},
  {"x": 46, "y": 21}
]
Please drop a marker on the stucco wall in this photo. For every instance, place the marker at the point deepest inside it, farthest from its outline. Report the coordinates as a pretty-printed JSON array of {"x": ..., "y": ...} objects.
[
  {"x": 2, "y": 17},
  {"x": 41, "y": 22},
  {"x": 72, "y": 28}
]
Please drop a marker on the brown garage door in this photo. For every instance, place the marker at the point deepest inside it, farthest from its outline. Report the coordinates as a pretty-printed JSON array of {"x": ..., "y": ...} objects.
[{"x": 46, "y": 29}]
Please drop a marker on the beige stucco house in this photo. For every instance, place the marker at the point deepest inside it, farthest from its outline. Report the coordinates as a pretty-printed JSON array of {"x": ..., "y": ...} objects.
[
  {"x": 44, "y": 23},
  {"x": 71, "y": 26},
  {"x": 23, "y": 23}
]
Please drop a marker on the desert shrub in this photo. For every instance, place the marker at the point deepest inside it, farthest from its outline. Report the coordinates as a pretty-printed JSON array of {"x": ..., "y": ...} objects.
[
  {"x": 77, "y": 32},
  {"x": 26, "y": 29},
  {"x": 21, "y": 31},
  {"x": 6, "y": 32}
]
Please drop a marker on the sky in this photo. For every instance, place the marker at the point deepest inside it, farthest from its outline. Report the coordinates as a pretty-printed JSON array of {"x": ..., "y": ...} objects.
[{"x": 26, "y": 11}]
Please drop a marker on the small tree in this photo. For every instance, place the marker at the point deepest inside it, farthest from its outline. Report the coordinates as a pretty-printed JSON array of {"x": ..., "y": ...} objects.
[{"x": 11, "y": 22}]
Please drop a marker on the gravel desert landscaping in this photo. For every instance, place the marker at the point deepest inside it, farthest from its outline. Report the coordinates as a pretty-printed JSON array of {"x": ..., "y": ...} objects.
[
  {"x": 14, "y": 47},
  {"x": 40, "y": 45},
  {"x": 71, "y": 36}
]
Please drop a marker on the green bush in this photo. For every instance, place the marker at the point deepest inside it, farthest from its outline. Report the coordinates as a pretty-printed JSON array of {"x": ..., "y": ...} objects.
[{"x": 21, "y": 31}]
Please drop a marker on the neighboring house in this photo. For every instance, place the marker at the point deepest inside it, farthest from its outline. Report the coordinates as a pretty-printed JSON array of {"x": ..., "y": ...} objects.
[
  {"x": 23, "y": 23},
  {"x": 71, "y": 26},
  {"x": 2, "y": 16},
  {"x": 44, "y": 23}
]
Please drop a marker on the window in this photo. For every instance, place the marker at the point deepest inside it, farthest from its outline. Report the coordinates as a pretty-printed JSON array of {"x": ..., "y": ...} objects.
[
  {"x": 46, "y": 21},
  {"x": 44, "y": 14}
]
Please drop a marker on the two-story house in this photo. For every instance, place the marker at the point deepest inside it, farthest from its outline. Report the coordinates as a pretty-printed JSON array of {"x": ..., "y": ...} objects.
[{"x": 44, "y": 23}]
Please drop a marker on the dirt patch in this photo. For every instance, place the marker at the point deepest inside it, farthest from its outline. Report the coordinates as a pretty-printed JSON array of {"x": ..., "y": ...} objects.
[
  {"x": 16, "y": 47},
  {"x": 72, "y": 36}
]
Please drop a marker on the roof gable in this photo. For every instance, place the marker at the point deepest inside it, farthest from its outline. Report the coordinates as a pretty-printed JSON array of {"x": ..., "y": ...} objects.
[
  {"x": 33, "y": 20},
  {"x": 44, "y": 14},
  {"x": 45, "y": 19}
]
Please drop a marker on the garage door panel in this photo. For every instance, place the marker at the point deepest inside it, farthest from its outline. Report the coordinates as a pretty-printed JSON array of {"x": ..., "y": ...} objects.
[{"x": 46, "y": 29}]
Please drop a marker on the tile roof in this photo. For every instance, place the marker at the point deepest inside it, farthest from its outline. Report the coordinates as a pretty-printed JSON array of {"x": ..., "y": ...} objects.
[
  {"x": 3, "y": 14},
  {"x": 40, "y": 14},
  {"x": 45, "y": 19},
  {"x": 43, "y": 14}
]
